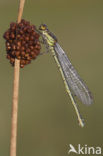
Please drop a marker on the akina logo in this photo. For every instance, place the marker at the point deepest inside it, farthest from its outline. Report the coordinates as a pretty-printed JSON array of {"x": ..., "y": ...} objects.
[{"x": 84, "y": 150}]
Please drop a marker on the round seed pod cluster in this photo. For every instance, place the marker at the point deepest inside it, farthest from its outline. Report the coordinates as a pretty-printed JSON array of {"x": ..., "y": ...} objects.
[{"x": 22, "y": 42}]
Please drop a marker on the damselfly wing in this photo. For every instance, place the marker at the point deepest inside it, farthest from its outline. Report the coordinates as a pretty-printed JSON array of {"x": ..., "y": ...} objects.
[{"x": 73, "y": 79}]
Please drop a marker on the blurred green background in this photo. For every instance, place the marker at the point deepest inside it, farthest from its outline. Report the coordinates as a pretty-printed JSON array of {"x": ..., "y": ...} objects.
[{"x": 47, "y": 123}]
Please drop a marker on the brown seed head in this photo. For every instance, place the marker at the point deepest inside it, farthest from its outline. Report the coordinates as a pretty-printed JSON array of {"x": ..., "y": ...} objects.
[{"x": 22, "y": 42}]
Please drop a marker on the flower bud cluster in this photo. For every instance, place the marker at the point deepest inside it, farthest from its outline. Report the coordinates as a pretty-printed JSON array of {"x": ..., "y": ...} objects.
[{"x": 22, "y": 42}]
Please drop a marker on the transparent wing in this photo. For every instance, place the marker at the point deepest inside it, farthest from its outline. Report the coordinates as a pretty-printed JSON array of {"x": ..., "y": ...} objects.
[{"x": 73, "y": 80}]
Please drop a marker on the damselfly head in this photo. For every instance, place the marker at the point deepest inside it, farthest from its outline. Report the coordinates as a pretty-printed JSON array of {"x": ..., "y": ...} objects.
[{"x": 43, "y": 27}]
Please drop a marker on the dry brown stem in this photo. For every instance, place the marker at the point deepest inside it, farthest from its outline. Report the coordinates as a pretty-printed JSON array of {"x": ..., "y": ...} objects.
[{"x": 15, "y": 94}]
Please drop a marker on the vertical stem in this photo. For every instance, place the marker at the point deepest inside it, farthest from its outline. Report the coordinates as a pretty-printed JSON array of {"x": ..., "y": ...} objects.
[
  {"x": 14, "y": 109},
  {"x": 15, "y": 94},
  {"x": 20, "y": 11}
]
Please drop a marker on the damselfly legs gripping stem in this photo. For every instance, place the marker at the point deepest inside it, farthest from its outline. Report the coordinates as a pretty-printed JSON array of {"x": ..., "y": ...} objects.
[{"x": 71, "y": 79}]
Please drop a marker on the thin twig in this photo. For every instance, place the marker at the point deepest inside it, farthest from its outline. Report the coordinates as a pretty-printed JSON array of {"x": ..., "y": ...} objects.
[
  {"x": 14, "y": 110},
  {"x": 20, "y": 12},
  {"x": 15, "y": 93}
]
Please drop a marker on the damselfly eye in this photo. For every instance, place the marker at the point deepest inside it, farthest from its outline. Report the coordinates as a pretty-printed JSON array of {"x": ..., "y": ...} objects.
[{"x": 43, "y": 27}]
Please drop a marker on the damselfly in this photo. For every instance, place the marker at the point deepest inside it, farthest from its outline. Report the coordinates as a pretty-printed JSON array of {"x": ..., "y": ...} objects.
[{"x": 73, "y": 82}]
